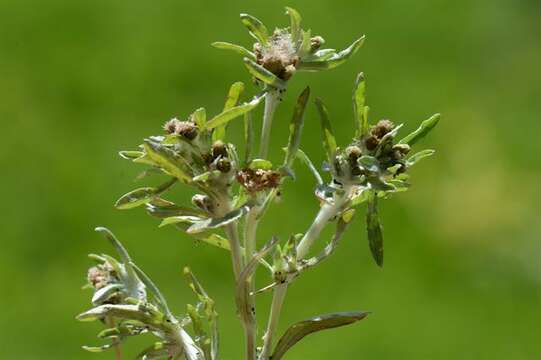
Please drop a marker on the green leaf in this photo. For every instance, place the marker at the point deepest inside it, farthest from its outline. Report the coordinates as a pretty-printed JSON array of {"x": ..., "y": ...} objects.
[
  {"x": 306, "y": 44},
  {"x": 422, "y": 131},
  {"x": 141, "y": 196},
  {"x": 234, "y": 47},
  {"x": 320, "y": 55},
  {"x": 373, "y": 227},
  {"x": 158, "y": 350},
  {"x": 135, "y": 198},
  {"x": 329, "y": 141},
  {"x": 260, "y": 164},
  {"x": 334, "y": 61},
  {"x": 267, "y": 202},
  {"x": 295, "y": 128},
  {"x": 412, "y": 160},
  {"x": 97, "y": 349},
  {"x": 301, "y": 155},
  {"x": 105, "y": 293},
  {"x": 152, "y": 288},
  {"x": 213, "y": 223},
  {"x": 199, "y": 116},
  {"x": 298, "y": 331},
  {"x": 162, "y": 209},
  {"x": 180, "y": 219},
  {"x": 234, "y": 95},
  {"x": 130, "y": 155},
  {"x": 359, "y": 105},
  {"x": 228, "y": 115},
  {"x": 231, "y": 101},
  {"x": 256, "y": 28},
  {"x": 214, "y": 239},
  {"x": 167, "y": 160},
  {"x": 248, "y": 137},
  {"x": 295, "y": 24},
  {"x": 260, "y": 73}
]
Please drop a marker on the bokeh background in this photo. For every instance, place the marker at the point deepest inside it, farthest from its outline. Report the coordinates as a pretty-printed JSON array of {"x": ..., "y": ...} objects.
[{"x": 81, "y": 80}]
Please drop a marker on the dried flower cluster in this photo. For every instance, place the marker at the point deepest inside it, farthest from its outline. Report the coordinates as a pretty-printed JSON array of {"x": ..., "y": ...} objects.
[{"x": 232, "y": 192}]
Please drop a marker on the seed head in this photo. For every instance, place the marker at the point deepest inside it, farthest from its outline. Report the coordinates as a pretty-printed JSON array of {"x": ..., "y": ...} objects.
[{"x": 382, "y": 128}]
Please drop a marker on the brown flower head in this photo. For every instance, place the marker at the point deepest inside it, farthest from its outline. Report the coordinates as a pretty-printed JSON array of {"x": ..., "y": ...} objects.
[{"x": 255, "y": 180}]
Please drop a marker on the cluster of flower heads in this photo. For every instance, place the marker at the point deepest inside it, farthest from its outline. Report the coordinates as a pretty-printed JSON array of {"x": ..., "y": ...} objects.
[{"x": 194, "y": 152}]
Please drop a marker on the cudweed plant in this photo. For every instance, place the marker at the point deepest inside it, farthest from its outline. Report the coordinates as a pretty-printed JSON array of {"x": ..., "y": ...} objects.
[{"x": 233, "y": 192}]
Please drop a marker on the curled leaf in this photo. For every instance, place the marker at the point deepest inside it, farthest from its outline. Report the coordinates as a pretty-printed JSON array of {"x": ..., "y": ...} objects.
[
  {"x": 412, "y": 160},
  {"x": 298, "y": 331},
  {"x": 264, "y": 75},
  {"x": 256, "y": 28},
  {"x": 234, "y": 47},
  {"x": 425, "y": 127},
  {"x": 334, "y": 61}
]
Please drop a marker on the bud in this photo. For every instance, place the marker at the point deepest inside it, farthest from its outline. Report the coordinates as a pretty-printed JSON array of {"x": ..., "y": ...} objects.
[
  {"x": 224, "y": 165},
  {"x": 187, "y": 129},
  {"x": 99, "y": 276},
  {"x": 219, "y": 149},
  {"x": 316, "y": 42},
  {"x": 203, "y": 202},
  {"x": 371, "y": 143},
  {"x": 353, "y": 152},
  {"x": 382, "y": 128},
  {"x": 170, "y": 126}
]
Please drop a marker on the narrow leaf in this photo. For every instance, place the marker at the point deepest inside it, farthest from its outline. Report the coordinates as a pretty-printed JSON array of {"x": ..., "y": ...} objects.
[
  {"x": 214, "y": 223},
  {"x": 199, "y": 116},
  {"x": 298, "y": 331},
  {"x": 260, "y": 73},
  {"x": 301, "y": 155},
  {"x": 248, "y": 137},
  {"x": 329, "y": 141},
  {"x": 412, "y": 160},
  {"x": 167, "y": 160},
  {"x": 152, "y": 288},
  {"x": 130, "y": 155},
  {"x": 373, "y": 226},
  {"x": 234, "y": 47},
  {"x": 295, "y": 24},
  {"x": 422, "y": 131},
  {"x": 359, "y": 104},
  {"x": 334, "y": 61},
  {"x": 256, "y": 28},
  {"x": 135, "y": 198},
  {"x": 295, "y": 128},
  {"x": 228, "y": 115}
]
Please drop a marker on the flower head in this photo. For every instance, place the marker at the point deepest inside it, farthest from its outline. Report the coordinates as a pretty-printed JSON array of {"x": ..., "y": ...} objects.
[{"x": 277, "y": 56}]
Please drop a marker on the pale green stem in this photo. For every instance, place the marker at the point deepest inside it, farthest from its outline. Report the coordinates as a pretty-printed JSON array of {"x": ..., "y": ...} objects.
[
  {"x": 276, "y": 307},
  {"x": 272, "y": 99},
  {"x": 250, "y": 233},
  {"x": 326, "y": 213}
]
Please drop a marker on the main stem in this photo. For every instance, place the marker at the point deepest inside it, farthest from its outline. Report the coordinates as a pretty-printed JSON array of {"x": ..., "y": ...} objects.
[
  {"x": 326, "y": 213},
  {"x": 272, "y": 98}
]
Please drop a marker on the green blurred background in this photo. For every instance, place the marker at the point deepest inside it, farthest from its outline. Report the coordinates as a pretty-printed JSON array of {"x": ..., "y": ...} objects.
[{"x": 81, "y": 80}]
